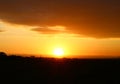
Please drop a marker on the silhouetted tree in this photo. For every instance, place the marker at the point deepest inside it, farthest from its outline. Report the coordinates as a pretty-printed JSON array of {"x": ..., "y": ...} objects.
[{"x": 3, "y": 55}]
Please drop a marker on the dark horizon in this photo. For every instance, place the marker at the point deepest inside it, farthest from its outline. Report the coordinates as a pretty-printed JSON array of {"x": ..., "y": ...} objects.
[
  {"x": 68, "y": 57},
  {"x": 58, "y": 71}
]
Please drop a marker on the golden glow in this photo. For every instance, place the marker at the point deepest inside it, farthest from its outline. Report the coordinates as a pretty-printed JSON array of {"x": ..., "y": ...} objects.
[
  {"x": 58, "y": 52},
  {"x": 58, "y": 45},
  {"x": 60, "y": 28}
]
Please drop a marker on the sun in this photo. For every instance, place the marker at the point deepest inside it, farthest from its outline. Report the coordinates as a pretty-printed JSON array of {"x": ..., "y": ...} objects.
[{"x": 58, "y": 52}]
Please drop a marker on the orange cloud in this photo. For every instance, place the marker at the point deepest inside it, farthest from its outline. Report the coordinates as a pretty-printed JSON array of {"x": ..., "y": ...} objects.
[
  {"x": 50, "y": 30},
  {"x": 1, "y": 31},
  {"x": 96, "y": 18}
]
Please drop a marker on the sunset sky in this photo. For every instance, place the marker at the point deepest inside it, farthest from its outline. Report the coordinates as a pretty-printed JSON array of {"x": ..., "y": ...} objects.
[{"x": 80, "y": 27}]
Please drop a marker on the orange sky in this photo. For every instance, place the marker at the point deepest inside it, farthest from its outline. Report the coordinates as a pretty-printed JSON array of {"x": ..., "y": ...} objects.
[
  {"x": 80, "y": 27},
  {"x": 19, "y": 39}
]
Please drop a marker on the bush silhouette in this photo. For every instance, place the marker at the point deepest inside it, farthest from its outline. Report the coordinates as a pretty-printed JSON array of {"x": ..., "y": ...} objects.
[{"x": 3, "y": 55}]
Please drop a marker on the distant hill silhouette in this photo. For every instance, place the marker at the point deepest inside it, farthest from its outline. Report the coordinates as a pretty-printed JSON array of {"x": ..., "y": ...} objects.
[{"x": 58, "y": 71}]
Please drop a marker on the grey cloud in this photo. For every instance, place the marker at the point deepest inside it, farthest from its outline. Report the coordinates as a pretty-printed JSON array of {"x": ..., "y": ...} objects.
[{"x": 94, "y": 18}]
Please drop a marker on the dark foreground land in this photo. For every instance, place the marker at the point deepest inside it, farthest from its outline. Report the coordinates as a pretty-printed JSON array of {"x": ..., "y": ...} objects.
[{"x": 58, "y": 71}]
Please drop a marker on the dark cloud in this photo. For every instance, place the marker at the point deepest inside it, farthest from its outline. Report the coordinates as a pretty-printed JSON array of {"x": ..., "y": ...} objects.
[
  {"x": 95, "y": 18},
  {"x": 46, "y": 30}
]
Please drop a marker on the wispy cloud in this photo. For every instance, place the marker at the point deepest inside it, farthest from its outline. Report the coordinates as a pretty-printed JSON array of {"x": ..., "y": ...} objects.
[
  {"x": 1, "y": 31},
  {"x": 50, "y": 30}
]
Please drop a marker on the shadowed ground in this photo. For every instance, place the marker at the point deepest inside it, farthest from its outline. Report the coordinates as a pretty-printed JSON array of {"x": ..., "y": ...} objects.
[{"x": 58, "y": 71}]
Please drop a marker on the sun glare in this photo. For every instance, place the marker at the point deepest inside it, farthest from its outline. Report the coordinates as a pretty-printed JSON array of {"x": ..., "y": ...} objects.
[{"x": 58, "y": 52}]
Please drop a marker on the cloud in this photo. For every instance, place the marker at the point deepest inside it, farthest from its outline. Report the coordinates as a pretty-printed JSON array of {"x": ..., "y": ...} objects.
[
  {"x": 96, "y": 18},
  {"x": 47, "y": 30},
  {"x": 1, "y": 31}
]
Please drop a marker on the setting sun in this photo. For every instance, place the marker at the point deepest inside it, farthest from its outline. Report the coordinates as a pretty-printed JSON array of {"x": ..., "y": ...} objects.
[{"x": 58, "y": 52}]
